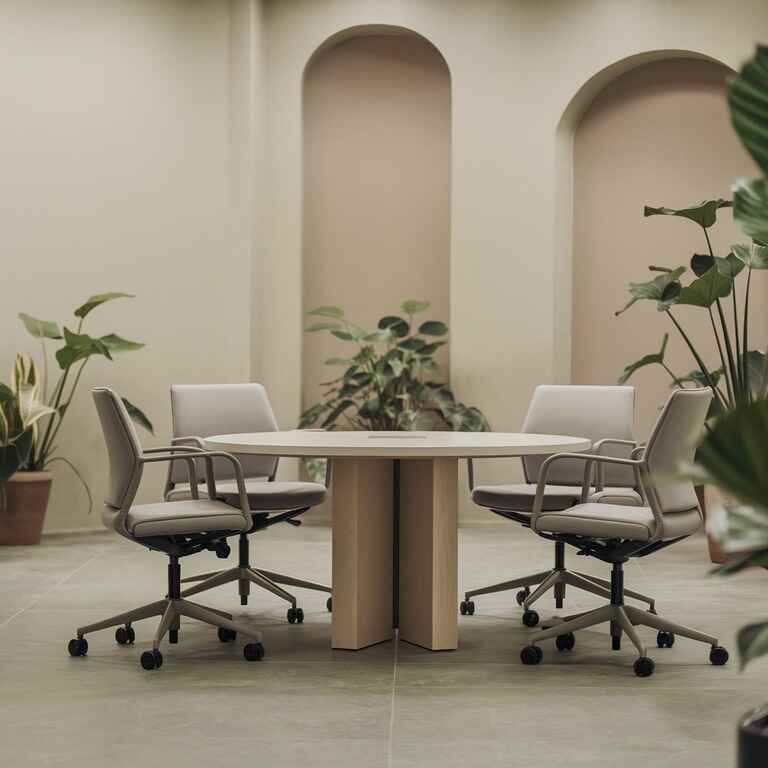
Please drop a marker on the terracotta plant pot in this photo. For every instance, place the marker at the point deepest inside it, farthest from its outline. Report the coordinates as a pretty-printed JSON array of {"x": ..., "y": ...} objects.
[
  {"x": 753, "y": 739},
  {"x": 708, "y": 495},
  {"x": 22, "y": 517}
]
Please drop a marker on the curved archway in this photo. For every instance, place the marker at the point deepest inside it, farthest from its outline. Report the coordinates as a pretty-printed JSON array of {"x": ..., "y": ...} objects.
[
  {"x": 377, "y": 176},
  {"x": 657, "y": 133}
]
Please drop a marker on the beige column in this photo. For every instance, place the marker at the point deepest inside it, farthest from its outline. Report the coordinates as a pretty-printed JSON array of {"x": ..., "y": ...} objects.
[{"x": 428, "y": 552}]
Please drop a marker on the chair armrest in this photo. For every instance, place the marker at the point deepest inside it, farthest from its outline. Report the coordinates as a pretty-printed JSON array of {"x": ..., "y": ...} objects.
[
  {"x": 597, "y": 449},
  {"x": 192, "y": 440},
  {"x": 639, "y": 451},
  {"x": 207, "y": 456},
  {"x": 589, "y": 459}
]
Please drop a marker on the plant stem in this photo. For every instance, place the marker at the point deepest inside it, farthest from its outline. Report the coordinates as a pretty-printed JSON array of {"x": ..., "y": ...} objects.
[
  {"x": 702, "y": 367},
  {"x": 745, "y": 342},
  {"x": 66, "y": 405},
  {"x": 676, "y": 379},
  {"x": 735, "y": 374},
  {"x": 737, "y": 338},
  {"x": 41, "y": 457},
  {"x": 726, "y": 371}
]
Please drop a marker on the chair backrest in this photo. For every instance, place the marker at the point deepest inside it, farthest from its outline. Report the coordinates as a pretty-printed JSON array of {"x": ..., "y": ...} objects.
[
  {"x": 594, "y": 412},
  {"x": 222, "y": 409},
  {"x": 673, "y": 443},
  {"x": 123, "y": 448}
]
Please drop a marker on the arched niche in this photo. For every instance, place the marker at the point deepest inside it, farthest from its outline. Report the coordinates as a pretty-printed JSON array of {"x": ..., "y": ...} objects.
[
  {"x": 376, "y": 192},
  {"x": 655, "y": 130}
]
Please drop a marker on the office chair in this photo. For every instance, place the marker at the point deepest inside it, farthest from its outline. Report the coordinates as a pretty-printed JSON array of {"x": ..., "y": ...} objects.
[
  {"x": 604, "y": 415},
  {"x": 179, "y": 529},
  {"x": 615, "y": 533},
  {"x": 202, "y": 410}
]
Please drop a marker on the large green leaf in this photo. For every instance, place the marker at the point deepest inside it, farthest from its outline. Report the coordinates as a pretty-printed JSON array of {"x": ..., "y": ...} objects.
[
  {"x": 397, "y": 326},
  {"x": 334, "y": 312},
  {"x": 750, "y": 207},
  {"x": 748, "y": 100},
  {"x": 414, "y": 306},
  {"x": 730, "y": 266},
  {"x": 752, "y": 641},
  {"x": 706, "y": 290},
  {"x": 115, "y": 343},
  {"x": 655, "y": 358},
  {"x": 433, "y": 328},
  {"x": 6, "y": 393},
  {"x": 755, "y": 256},
  {"x": 138, "y": 416},
  {"x": 80, "y": 346},
  {"x": 663, "y": 289},
  {"x": 45, "y": 329},
  {"x": 98, "y": 300},
  {"x": 703, "y": 213}
]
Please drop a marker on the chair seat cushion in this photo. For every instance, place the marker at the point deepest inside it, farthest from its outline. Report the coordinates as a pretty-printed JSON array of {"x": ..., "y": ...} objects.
[
  {"x": 263, "y": 495},
  {"x": 519, "y": 497},
  {"x": 617, "y": 521},
  {"x": 179, "y": 518}
]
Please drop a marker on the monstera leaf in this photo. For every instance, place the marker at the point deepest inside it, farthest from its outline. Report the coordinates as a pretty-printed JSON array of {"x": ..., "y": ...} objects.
[
  {"x": 663, "y": 289},
  {"x": 703, "y": 213}
]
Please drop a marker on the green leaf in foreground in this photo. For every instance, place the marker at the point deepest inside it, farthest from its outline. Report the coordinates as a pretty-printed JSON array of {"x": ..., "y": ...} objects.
[{"x": 99, "y": 299}]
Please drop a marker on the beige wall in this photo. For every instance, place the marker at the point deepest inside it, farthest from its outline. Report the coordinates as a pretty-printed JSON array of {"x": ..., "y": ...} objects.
[
  {"x": 116, "y": 148},
  {"x": 658, "y": 135},
  {"x": 376, "y": 187}
]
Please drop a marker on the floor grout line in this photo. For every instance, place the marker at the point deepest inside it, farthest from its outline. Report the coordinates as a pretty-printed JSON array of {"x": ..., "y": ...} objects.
[
  {"x": 390, "y": 735},
  {"x": 47, "y": 592}
]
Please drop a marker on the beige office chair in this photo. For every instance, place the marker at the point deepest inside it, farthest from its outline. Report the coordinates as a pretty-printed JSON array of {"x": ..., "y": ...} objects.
[
  {"x": 202, "y": 410},
  {"x": 603, "y": 414},
  {"x": 178, "y": 529},
  {"x": 614, "y": 533}
]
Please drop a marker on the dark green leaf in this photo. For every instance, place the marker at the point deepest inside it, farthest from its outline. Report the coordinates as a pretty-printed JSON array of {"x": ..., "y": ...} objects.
[
  {"x": 334, "y": 312},
  {"x": 750, "y": 207},
  {"x": 703, "y": 213},
  {"x": 414, "y": 344},
  {"x": 414, "y": 306},
  {"x": 79, "y": 346},
  {"x": 338, "y": 409},
  {"x": 662, "y": 289},
  {"x": 396, "y": 325},
  {"x": 311, "y": 415},
  {"x": 705, "y": 290},
  {"x": 115, "y": 343},
  {"x": 433, "y": 328},
  {"x": 752, "y": 641},
  {"x": 138, "y": 416},
  {"x": 748, "y": 100},
  {"x": 45, "y": 329},
  {"x": 701, "y": 263},
  {"x": 97, "y": 300},
  {"x": 755, "y": 256},
  {"x": 656, "y": 358},
  {"x": 430, "y": 349},
  {"x": 6, "y": 393},
  {"x": 730, "y": 266}
]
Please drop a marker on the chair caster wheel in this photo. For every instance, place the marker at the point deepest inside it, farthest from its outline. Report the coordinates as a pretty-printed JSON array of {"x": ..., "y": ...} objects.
[
  {"x": 329, "y": 604},
  {"x": 531, "y": 655},
  {"x": 78, "y": 646},
  {"x": 565, "y": 642},
  {"x": 522, "y": 595},
  {"x": 253, "y": 652},
  {"x": 665, "y": 639},
  {"x": 467, "y": 607},
  {"x": 530, "y": 618},
  {"x": 124, "y": 635},
  {"x": 644, "y": 666},
  {"x": 151, "y": 659},
  {"x": 226, "y": 635},
  {"x": 295, "y": 616},
  {"x": 718, "y": 655}
]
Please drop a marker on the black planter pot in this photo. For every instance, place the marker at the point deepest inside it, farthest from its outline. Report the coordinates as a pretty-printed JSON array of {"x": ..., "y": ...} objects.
[{"x": 753, "y": 739}]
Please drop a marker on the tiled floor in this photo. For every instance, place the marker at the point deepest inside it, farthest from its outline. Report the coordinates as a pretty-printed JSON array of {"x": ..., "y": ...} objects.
[{"x": 306, "y": 705}]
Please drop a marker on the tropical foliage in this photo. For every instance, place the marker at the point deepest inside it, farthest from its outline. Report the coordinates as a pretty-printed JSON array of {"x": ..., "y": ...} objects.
[
  {"x": 31, "y": 416},
  {"x": 388, "y": 381}
]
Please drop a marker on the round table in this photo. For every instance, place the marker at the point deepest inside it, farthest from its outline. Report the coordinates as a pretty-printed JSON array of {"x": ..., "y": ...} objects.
[{"x": 395, "y": 522}]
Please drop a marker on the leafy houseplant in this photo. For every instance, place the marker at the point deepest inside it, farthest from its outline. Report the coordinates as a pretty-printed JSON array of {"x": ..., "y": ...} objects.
[
  {"x": 388, "y": 380},
  {"x": 31, "y": 417}
]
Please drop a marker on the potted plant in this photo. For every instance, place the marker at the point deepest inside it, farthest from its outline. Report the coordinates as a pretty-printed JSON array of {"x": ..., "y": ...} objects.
[
  {"x": 31, "y": 417},
  {"x": 389, "y": 380}
]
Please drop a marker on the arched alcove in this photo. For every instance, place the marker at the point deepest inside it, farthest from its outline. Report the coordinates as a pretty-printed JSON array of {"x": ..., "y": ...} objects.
[
  {"x": 376, "y": 200},
  {"x": 658, "y": 134}
]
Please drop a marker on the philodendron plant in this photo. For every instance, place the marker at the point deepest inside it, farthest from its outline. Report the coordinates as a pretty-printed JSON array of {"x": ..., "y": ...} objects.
[
  {"x": 30, "y": 415},
  {"x": 388, "y": 381},
  {"x": 740, "y": 375}
]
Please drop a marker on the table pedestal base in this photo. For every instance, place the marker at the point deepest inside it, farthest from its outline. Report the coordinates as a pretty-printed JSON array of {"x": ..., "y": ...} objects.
[{"x": 372, "y": 500}]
